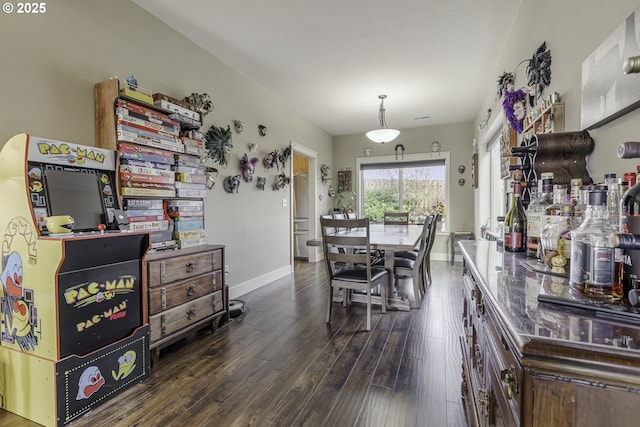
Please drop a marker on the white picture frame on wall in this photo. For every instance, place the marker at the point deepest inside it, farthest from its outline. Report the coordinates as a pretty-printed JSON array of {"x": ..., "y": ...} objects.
[{"x": 607, "y": 92}]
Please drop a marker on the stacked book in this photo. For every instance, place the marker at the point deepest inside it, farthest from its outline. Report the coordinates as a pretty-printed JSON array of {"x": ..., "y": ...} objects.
[
  {"x": 190, "y": 176},
  {"x": 146, "y": 171},
  {"x": 141, "y": 125},
  {"x": 149, "y": 215},
  {"x": 188, "y": 222}
]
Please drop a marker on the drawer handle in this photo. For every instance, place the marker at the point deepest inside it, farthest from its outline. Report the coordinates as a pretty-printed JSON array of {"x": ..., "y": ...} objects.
[
  {"x": 483, "y": 398},
  {"x": 479, "y": 309},
  {"x": 191, "y": 314},
  {"x": 191, "y": 289},
  {"x": 191, "y": 266},
  {"x": 509, "y": 381}
]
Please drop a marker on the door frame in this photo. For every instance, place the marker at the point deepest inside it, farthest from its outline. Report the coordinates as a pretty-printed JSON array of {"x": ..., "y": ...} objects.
[{"x": 312, "y": 199}]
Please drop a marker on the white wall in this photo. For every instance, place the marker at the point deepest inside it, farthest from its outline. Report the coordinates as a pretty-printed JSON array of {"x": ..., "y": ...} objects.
[
  {"x": 573, "y": 29},
  {"x": 51, "y": 62}
]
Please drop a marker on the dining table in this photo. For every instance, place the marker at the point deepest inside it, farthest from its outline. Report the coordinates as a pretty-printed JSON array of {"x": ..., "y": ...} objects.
[{"x": 389, "y": 239}]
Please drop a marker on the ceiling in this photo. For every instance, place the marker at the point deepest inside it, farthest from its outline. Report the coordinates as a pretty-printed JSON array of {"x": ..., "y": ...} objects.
[{"x": 330, "y": 59}]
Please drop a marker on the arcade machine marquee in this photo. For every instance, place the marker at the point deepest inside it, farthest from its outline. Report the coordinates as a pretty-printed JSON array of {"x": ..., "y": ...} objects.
[{"x": 72, "y": 327}]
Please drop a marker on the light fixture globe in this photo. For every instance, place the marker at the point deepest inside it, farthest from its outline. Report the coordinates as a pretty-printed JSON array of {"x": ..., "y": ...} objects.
[{"x": 382, "y": 134}]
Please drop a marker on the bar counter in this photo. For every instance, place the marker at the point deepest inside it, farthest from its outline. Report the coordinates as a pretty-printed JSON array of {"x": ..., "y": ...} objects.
[{"x": 534, "y": 363}]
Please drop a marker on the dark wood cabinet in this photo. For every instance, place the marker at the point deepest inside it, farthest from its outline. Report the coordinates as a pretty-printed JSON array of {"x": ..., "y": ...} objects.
[
  {"x": 186, "y": 293},
  {"x": 535, "y": 364}
]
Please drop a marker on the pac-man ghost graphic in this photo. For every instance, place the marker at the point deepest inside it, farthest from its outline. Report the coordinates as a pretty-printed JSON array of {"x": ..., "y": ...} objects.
[
  {"x": 126, "y": 365},
  {"x": 11, "y": 275},
  {"x": 90, "y": 381}
]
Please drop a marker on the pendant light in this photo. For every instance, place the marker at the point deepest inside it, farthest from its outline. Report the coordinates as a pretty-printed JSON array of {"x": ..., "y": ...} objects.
[{"x": 382, "y": 134}]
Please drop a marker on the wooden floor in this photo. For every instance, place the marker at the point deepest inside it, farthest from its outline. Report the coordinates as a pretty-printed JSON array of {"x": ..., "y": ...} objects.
[{"x": 280, "y": 364}]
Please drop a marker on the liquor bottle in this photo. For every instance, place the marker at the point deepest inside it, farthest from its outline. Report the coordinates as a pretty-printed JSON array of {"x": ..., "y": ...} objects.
[
  {"x": 559, "y": 199},
  {"x": 555, "y": 238},
  {"x": 592, "y": 269},
  {"x": 576, "y": 183},
  {"x": 535, "y": 212},
  {"x": 581, "y": 206},
  {"x": 613, "y": 199},
  {"x": 515, "y": 223},
  {"x": 630, "y": 226}
]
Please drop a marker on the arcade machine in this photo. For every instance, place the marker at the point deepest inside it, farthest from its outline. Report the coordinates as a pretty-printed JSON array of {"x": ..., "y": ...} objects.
[{"x": 72, "y": 330}]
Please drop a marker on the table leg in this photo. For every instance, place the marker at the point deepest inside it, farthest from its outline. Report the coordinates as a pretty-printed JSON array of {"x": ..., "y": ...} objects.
[{"x": 394, "y": 301}]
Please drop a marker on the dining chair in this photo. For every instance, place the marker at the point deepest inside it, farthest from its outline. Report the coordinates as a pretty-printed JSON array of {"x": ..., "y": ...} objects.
[
  {"x": 346, "y": 268},
  {"x": 413, "y": 267},
  {"x": 432, "y": 237},
  {"x": 396, "y": 218},
  {"x": 413, "y": 253}
]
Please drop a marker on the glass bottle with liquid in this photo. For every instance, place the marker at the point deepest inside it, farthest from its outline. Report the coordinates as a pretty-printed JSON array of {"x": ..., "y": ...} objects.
[
  {"x": 535, "y": 214},
  {"x": 592, "y": 269},
  {"x": 515, "y": 223}
]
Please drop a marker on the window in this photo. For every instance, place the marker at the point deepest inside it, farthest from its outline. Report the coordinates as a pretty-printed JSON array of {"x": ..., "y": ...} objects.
[{"x": 417, "y": 185}]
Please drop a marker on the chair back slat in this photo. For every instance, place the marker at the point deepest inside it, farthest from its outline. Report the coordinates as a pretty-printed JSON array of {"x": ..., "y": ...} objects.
[
  {"x": 341, "y": 238},
  {"x": 396, "y": 218}
]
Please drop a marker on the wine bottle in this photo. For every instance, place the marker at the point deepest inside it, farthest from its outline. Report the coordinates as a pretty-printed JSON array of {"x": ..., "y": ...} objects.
[
  {"x": 515, "y": 223},
  {"x": 524, "y": 150},
  {"x": 625, "y": 241},
  {"x": 629, "y": 150},
  {"x": 535, "y": 216}
]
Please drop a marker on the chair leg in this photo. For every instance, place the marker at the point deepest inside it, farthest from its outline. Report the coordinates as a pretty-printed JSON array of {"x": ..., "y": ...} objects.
[
  {"x": 417, "y": 294},
  {"x": 329, "y": 303},
  {"x": 383, "y": 296},
  {"x": 368, "y": 308},
  {"x": 429, "y": 267}
]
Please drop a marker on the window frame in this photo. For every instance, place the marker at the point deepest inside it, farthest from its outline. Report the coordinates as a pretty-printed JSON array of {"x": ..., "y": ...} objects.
[{"x": 407, "y": 158}]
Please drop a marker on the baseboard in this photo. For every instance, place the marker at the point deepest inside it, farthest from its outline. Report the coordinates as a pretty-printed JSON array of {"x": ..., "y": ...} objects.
[{"x": 258, "y": 282}]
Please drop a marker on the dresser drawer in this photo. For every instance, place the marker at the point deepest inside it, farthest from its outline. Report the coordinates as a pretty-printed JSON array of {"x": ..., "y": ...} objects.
[
  {"x": 177, "y": 318},
  {"x": 161, "y": 272},
  {"x": 169, "y": 296}
]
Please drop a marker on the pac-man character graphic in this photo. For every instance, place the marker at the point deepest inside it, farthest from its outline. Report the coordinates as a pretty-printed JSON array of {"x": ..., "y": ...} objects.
[
  {"x": 59, "y": 224},
  {"x": 90, "y": 381},
  {"x": 36, "y": 186},
  {"x": 127, "y": 363},
  {"x": 21, "y": 326}
]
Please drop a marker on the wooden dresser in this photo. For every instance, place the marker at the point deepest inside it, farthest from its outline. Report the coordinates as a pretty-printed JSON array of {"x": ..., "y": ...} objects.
[
  {"x": 529, "y": 363},
  {"x": 186, "y": 293}
]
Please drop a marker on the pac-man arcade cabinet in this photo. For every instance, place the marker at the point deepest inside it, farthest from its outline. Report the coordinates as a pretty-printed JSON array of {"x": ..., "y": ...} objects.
[{"x": 72, "y": 328}]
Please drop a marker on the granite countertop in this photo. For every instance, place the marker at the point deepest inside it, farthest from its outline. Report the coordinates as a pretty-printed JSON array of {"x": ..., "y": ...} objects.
[{"x": 513, "y": 292}]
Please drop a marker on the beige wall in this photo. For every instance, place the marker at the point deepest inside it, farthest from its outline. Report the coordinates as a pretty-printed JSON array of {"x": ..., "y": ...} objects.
[
  {"x": 573, "y": 29},
  {"x": 51, "y": 62}
]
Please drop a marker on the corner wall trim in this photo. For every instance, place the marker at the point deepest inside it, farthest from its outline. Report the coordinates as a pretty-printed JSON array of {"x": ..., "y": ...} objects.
[{"x": 258, "y": 282}]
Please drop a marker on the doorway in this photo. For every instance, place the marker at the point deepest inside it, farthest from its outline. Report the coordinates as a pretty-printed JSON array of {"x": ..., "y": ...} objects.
[{"x": 303, "y": 203}]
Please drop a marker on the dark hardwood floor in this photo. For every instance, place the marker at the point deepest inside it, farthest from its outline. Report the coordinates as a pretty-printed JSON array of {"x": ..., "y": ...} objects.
[{"x": 280, "y": 364}]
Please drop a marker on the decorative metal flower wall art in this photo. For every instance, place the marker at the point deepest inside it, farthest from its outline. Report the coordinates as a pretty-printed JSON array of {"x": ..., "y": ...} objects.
[{"x": 218, "y": 144}]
